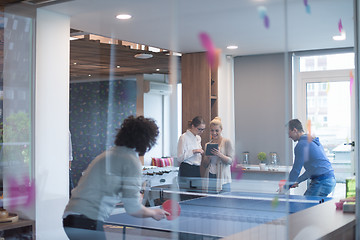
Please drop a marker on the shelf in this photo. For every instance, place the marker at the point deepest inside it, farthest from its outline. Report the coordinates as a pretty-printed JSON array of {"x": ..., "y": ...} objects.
[
  {"x": 20, "y": 223},
  {"x": 23, "y": 228}
]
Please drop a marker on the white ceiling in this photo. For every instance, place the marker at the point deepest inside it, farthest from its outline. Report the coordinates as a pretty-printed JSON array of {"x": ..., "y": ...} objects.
[{"x": 175, "y": 25}]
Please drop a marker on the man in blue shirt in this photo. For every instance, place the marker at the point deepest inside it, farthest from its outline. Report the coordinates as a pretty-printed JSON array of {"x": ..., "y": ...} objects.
[{"x": 309, "y": 153}]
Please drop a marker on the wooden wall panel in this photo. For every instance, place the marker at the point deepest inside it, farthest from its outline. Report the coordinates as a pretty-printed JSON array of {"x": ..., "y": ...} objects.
[{"x": 196, "y": 90}]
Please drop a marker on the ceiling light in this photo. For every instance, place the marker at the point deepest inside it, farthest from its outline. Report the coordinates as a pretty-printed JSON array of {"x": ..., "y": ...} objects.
[
  {"x": 143, "y": 55},
  {"x": 174, "y": 54},
  {"x": 123, "y": 16},
  {"x": 157, "y": 69},
  {"x": 117, "y": 66},
  {"x": 340, "y": 37},
  {"x": 231, "y": 47}
]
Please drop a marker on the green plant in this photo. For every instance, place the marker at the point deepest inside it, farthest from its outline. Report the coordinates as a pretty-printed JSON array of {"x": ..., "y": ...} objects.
[{"x": 262, "y": 157}]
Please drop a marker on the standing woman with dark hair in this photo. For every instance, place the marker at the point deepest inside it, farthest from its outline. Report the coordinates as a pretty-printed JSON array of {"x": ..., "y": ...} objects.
[
  {"x": 112, "y": 177},
  {"x": 190, "y": 150}
]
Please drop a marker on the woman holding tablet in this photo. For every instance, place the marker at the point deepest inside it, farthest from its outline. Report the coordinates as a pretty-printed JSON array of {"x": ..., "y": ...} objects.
[
  {"x": 218, "y": 160},
  {"x": 190, "y": 151}
]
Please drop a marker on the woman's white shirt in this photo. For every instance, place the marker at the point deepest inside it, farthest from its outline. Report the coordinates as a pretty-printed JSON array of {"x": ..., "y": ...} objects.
[{"x": 186, "y": 144}]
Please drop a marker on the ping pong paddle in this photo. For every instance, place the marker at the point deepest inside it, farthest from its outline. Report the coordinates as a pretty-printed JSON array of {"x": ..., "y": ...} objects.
[
  {"x": 282, "y": 183},
  {"x": 172, "y": 207},
  {"x": 281, "y": 186}
]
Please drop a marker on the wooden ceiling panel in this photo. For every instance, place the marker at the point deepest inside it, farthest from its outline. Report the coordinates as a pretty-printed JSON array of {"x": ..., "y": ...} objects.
[
  {"x": 4, "y": 3},
  {"x": 100, "y": 59}
]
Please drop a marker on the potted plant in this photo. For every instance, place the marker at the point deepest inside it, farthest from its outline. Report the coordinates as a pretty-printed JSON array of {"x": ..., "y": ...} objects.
[{"x": 262, "y": 158}]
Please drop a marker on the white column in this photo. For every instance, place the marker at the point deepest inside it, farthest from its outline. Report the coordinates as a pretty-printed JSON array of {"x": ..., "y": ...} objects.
[
  {"x": 51, "y": 122},
  {"x": 226, "y": 96}
]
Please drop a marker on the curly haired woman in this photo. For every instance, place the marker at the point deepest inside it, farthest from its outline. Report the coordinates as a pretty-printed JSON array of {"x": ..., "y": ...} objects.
[{"x": 112, "y": 177}]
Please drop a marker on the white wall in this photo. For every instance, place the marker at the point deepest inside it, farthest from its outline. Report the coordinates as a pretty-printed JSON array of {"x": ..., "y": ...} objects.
[
  {"x": 153, "y": 108},
  {"x": 164, "y": 109},
  {"x": 51, "y": 123},
  {"x": 226, "y": 96}
]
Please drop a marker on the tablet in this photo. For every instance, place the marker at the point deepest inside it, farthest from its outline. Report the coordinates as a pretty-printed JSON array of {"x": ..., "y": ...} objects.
[{"x": 209, "y": 147}]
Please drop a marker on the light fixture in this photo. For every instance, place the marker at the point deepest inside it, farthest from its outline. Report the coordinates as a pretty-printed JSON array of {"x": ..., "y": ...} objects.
[
  {"x": 174, "y": 54},
  {"x": 143, "y": 55},
  {"x": 123, "y": 16},
  {"x": 118, "y": 66},
  {"x": 232, "y": 47},
  {"x": 157, "y": 69},
  {"x": 340, "y": 37}
]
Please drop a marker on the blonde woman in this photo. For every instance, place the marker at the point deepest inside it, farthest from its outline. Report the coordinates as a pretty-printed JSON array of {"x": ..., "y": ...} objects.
[{"x": 217, "y": 166}]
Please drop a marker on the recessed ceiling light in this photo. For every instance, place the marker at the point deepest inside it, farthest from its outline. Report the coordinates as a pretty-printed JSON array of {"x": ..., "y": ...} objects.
[
  {"x": 75, "y": 63},
  {"x": 123, "y": 16},
  {"x": 231, "y": 47},
  {"x": 173, "y": 54},
  {"x": 157, "y": 69},
  {"x": 117, "y": 66},
  {"x": 89, "y": 75},
  {"x": 340, "y": 37},
  {"x": 143, "y": 55}
]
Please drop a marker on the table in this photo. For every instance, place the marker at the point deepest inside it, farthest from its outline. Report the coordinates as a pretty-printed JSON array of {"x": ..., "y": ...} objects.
[{"x": 215, "y": 216}]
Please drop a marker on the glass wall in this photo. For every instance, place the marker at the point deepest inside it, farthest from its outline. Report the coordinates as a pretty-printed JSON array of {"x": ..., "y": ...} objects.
[
  {"x": 16, "y": 114},
  {"x": 229, "y": 61}
]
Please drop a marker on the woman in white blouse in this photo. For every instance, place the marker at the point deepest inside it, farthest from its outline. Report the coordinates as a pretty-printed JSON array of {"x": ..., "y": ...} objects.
[
  {"x": 218, "y": 174},
  {"x": 189, "y": 149}
]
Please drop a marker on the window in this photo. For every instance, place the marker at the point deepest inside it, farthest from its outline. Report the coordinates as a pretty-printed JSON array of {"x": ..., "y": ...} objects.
[
  {"x": 327, "y": 62},
  {"x": 323, "y": 96}
]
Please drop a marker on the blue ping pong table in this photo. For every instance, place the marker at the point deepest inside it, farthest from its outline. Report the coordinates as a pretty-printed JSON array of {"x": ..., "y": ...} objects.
[{"x": 218, "y": 216}]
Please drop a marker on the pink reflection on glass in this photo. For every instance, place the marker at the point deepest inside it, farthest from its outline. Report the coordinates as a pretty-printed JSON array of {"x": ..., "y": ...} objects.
[
  {"x": 340, "y": 26},
  {"x": 235, "y": 169},
  {"x": 21, "y": 193},
  {"x": 308, "y": 126},
  {"x": 351, "y": 82},
  {"x": 211, "y": 51}
]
